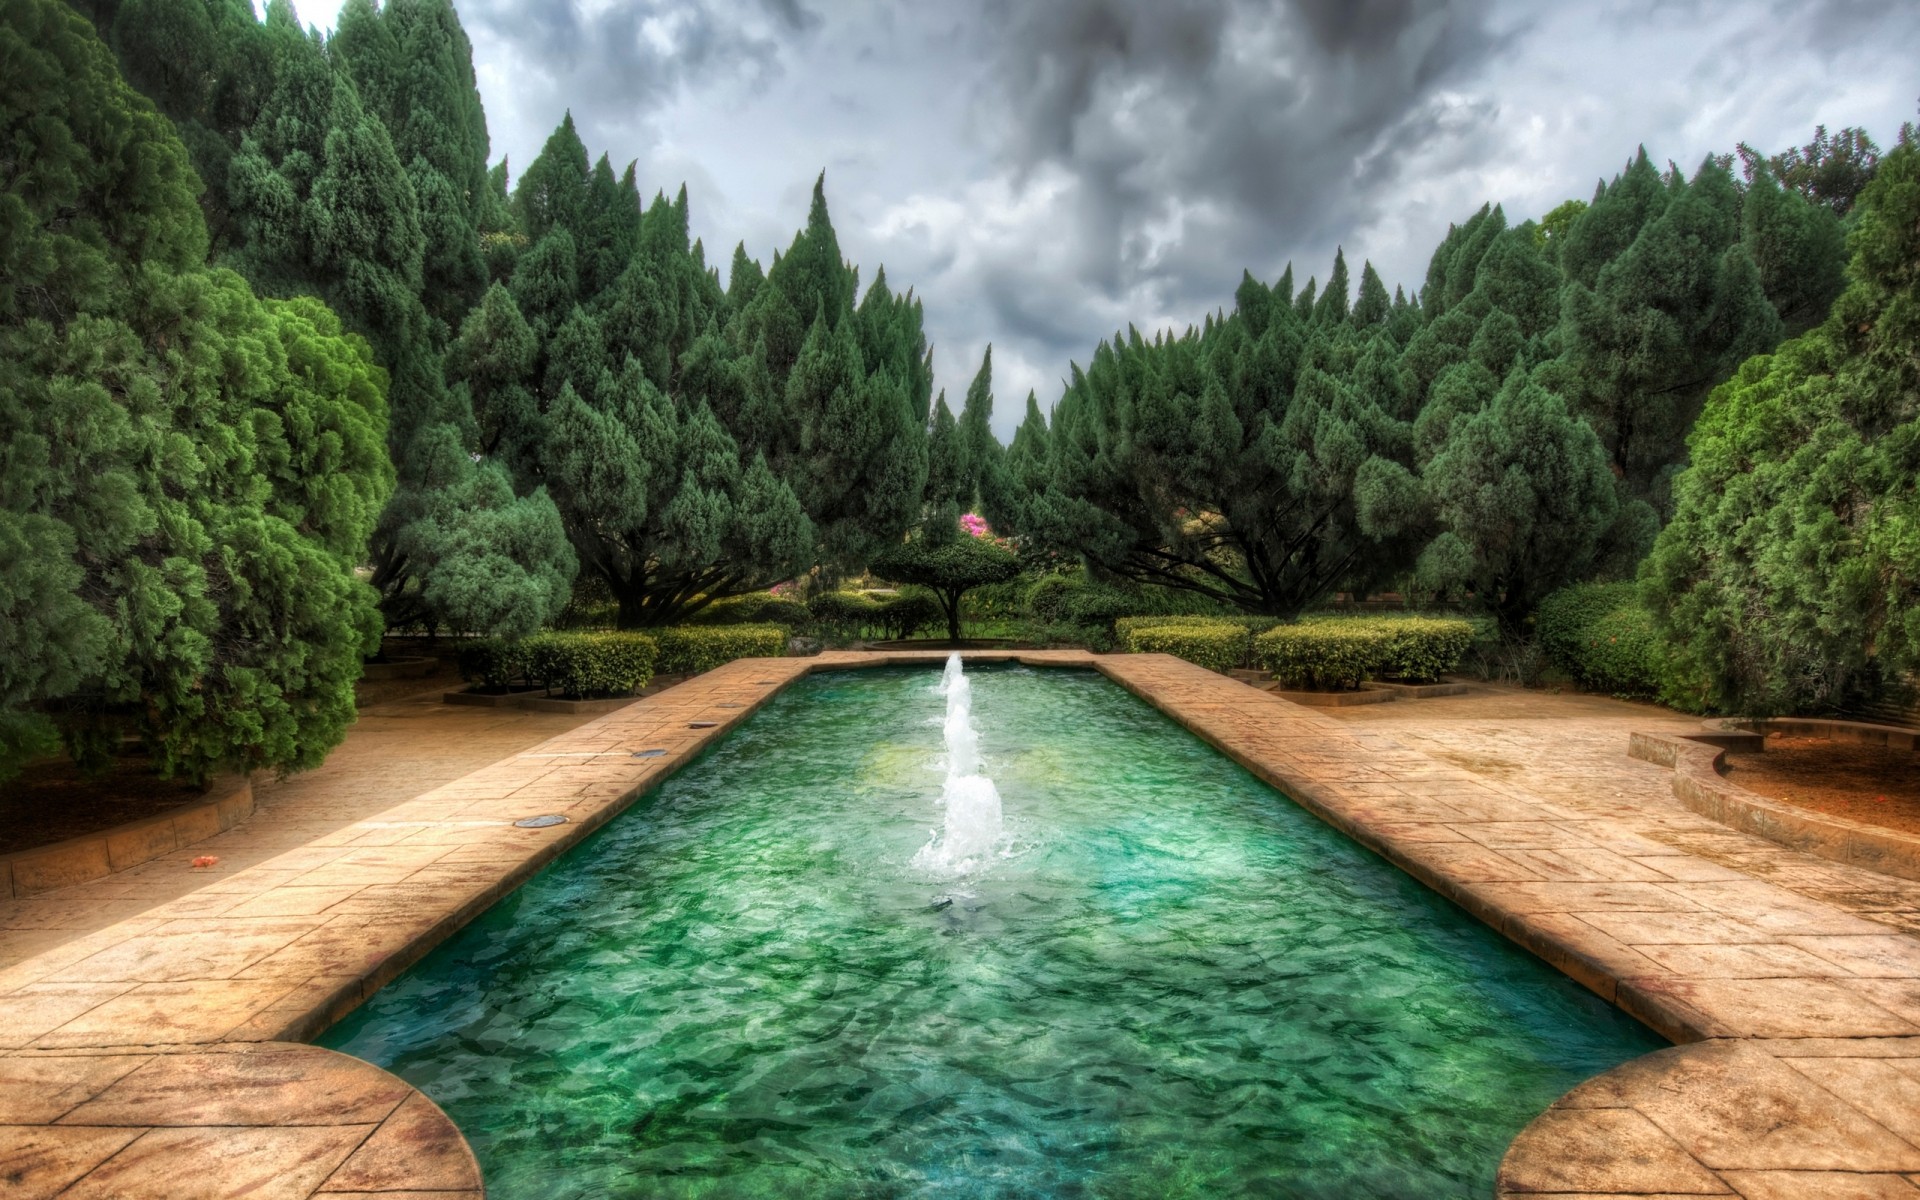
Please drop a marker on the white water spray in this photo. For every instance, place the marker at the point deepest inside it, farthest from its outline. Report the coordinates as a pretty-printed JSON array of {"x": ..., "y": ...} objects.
[{"x": 972, "y": 803}]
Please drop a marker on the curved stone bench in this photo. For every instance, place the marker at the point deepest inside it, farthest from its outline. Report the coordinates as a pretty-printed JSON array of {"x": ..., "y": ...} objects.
[
  {"x": 227, "y": 802},
  {"x": 1698, "y": 784}
]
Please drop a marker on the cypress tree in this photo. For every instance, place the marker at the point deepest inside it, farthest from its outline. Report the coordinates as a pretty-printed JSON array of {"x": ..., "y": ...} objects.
[
  {"x": 188, "y": 474},
  {"x": 1789, "y": 578}
]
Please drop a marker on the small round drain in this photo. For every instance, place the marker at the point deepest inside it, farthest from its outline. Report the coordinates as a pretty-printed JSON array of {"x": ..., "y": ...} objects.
[
  {"x": 727, "y": 706},
  {"x": 648, "y": 753},
  {"x": 543, "y": 821},
  {"x": 701, "y": 724}
]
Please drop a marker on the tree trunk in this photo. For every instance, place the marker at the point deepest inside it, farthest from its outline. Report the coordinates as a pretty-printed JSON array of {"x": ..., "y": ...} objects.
[{"x": 951, "y": 602}]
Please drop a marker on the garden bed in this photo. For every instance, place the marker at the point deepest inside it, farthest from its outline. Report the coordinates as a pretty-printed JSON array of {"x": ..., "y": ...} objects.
[
  {"x": 1876, "y": 785},
  {"x": 53, "y": 801}
]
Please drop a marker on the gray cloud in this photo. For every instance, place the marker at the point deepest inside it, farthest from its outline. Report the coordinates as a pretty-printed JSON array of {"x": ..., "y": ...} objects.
[{"x": 1043, "y": 173}]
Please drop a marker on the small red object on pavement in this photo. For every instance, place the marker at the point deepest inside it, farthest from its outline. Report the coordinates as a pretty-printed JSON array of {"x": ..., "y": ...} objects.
[{"x": 205, "y": 861}]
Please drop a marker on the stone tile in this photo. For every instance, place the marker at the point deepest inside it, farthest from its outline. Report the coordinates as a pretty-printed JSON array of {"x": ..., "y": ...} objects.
[
  {"x": 417, "y": 1147},
  {"x": 167, "y": 1014},
  {"x": 1756, "y": 961},
  {"x": 1885, "y": 956},
  {"x": 1685, "y": 928},
  {"x": 1820, "y": 1185},
  {"x": 1774, "y": 909},
  {"x": 221, "y": 1163},
  {"x": 40, "y": 1008},
  {"x": 1736, "y": 1108},
  {"x": 1602, "y": 1151},
  {"x": 1588, "y": 897},
  {"x": 38, "y": 1162},
  {"x": 189, "y": 949},
  {"x": 1874, "y": 1086},
  {"x": 292, "y": 901},
  {"x": 1783, "y": 1008},
  {"x": 36, "y": 1091},
  {"x": 1474, "y": 862},
  {"x": 279, "y": 1086},
  {"x": 1586, "y": 865}
]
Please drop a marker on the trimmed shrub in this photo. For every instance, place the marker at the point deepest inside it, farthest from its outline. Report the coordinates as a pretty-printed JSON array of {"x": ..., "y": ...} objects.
[
  {"x": 1047, "y": 599},
  {"x": 1422, "y": 649},
  {"x": 1324, "y": 655},
  {"x": 756, "y": 608},
  {"x": 909, "y": 613},
  {"x": 1217, "y": 645},
  {"x": 583, "y": 666},
  {"x": 1251, "y": 624},
  {"x": 495, "y": 663},
  {"x": 692, "y": 649},
  {"x": 844, "y": 614},
  {"x": 1602, "y": 635}
]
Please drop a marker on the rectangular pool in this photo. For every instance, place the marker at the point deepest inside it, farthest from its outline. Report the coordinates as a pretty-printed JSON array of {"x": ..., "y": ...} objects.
[{"x": 1164, "y": 980}]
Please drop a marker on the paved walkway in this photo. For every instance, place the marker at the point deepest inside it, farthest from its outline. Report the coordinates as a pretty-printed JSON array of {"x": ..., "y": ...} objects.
[
  {"x": 1571, "y": 748},
  {"x": 1803, "y": 1077}
]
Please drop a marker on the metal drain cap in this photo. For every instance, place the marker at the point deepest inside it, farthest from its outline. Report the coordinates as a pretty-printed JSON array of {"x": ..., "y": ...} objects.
[
  {"x": 648, "y": 753},
  {"x": 701, "y": 724},
  {"x": 543, "y": 821}
]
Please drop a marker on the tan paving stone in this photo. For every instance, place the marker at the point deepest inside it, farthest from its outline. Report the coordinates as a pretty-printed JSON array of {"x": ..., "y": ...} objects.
[
  {"x": 290, "y": 1086},
  {"x": 1782, "y": 1008},
  {"x": 38, "y": 1162},
  {"x": 31, "y": 1012},
  {"x": 1735, "y": 1107},
  {"x": 1602, "y": 1151},
  {"x": 1876, "y": 1087},
  {"x": 1759, "y": 961},
  {"x": 417, "y": 1148},
  {"x": 1880, "y": 955},
  {"x": 1820, "y": 1185},
  {"x": 38, "y": 1091},
  {"x": 221, "y": 1163},
  {"x": 166, "y": 1013}
]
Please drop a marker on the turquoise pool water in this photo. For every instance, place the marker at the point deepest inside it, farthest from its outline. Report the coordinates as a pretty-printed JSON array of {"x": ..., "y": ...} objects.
[{"x": 1169, "y": 982}]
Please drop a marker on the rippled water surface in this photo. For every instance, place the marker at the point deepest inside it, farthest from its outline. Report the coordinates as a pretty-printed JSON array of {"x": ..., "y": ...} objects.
[{"x": 1171, "y": 982}]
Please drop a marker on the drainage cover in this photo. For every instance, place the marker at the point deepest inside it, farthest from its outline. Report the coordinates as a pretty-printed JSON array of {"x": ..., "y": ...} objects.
[
  {"x": 701, "y": 724},
  {"x": 764, "y": 682},
  {"x": 648, "y": 753},
  {"x": 726, "y": 706},
  {"x": 541, "y": 822}
]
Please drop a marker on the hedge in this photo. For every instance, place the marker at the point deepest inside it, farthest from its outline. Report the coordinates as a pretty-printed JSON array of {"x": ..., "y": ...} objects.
[
  {"x": 1339, "y": 652},
  {"x": 581, "y": 666},
  {"x": 1216, "y": 646},
  {"x": 1600, "y": 634},
  {"x": 1321, "y": 655},
  {"x": 756, "y": 608},
  {"x": 1251, "y": 624},
  {"x": 692, "y": 649},
  {"x": 577, "y": 666}
]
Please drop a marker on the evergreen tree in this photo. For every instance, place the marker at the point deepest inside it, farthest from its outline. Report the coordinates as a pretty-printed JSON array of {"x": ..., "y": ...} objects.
[
  {"x": 188, "y": 475},
  {"x": 1790, "y": 575}
]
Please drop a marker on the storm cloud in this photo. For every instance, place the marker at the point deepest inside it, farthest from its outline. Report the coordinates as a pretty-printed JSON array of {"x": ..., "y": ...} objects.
[{"x": 1044, "y": 174}]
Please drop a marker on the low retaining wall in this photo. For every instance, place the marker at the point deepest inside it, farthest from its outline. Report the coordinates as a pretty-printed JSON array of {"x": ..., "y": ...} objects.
[
  {"x": 227, "y": 802},
  {"x": 1698, "y": 784}
]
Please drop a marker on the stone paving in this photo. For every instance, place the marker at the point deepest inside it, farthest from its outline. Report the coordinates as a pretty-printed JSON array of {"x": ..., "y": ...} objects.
[{"x": 1802, "y": 1077}]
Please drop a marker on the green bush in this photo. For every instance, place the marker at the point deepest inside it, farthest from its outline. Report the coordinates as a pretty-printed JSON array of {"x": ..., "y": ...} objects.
[
  {"x": 692, "y": 649},
  {"x": 1046, "y": 601},
  {"x": 908, "y": 613},
  {"x": 844, "y": 614},
  {"x": 1323, "y": 655},
  {"x": 496, "y": 664},
  {"x": 756, "y": 608},
  {"x": 581, "y": 666},
  {"x": 1416, "y": 649},
  {"x": 1251, "y": 624},
  {"x": 1217, "y": 645},
  {"x": 1602, "y": 635}
]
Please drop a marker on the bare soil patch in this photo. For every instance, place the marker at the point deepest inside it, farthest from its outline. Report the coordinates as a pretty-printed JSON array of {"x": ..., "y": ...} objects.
[{"x": 1869, "y": 784}]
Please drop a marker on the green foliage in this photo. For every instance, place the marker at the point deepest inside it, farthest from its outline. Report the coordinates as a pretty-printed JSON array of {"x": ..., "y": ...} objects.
[
  {"x": 844, "y": 614},
  {"x": 188, "y": 474},
  {"x": 757, "y": 608},
  {"x": 692, "y": 649},
  {"x": 582, "y": 666},
  {"x": 1789, "y": 579},
  {"x": 948, "y": 570},
  {"x": 1215, "y": 646},
  {"x": 496, "y": 664},
  {"x": 1321, "y": 655},
  {"x": 1600, "y": 634},
  {"x": 1252, "y": 624},
  {"x": 1339, "y": 652},
  {"x": 909, "y": 613}
]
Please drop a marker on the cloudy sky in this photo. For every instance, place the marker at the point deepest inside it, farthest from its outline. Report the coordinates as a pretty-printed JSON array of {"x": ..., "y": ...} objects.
[{"x": 1044, "y": 172}]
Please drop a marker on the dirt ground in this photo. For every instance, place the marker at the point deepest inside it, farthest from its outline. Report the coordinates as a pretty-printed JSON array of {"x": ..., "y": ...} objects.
[
  {"x": 1870, "y": 784},
  {"x": 52, "y": 802}
]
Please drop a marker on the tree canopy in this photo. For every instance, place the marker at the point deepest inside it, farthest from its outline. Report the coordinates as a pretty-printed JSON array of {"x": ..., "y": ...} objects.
[{"x": 188, "y": 474}]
